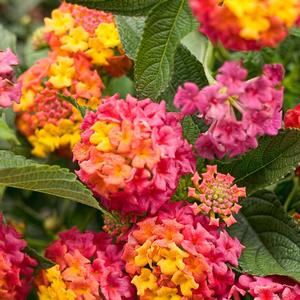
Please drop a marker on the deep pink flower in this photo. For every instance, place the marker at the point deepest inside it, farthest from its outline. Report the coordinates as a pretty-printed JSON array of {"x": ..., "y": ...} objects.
[
  {"x": 237, "y": 110},
  {"x": 10, "y": 90},
  {"x": 269, "y": 288},
  {"x": 16, "y": 267}
]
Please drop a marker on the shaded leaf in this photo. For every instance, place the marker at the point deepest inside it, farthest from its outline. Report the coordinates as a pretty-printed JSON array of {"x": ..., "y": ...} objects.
[
  {"x": 8, "y": 39},
  {"x": 270, "y": 236},
  {"x": 274, "y": 158},
  {"x": 120, "y": 7},
  {"x": 43, "y": 262}
]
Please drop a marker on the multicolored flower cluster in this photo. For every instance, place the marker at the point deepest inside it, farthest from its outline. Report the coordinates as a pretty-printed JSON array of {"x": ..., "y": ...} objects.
[
  {"x": 88, "y": 266},
  {"x": 246, "y": 25},
  {"x": 267, "y": 288},
  {"x": 16, "y": 267},
  {"x": 74, "y": 28},
  {"x": 10, "y": 90},
  {"x": 237, "y": 110},
  {"x": 132, "y": 154},
  {"x": 178, "y": 255},
  {"x": 81, "y": 40},
  {"x": 217, "y": 195}
]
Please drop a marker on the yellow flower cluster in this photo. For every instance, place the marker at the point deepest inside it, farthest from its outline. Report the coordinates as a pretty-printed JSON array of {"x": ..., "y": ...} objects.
[
  {"x": 254, "y": 16},
  {"x": 68, "y": 30},
  {"x": 57, "y": 290}
]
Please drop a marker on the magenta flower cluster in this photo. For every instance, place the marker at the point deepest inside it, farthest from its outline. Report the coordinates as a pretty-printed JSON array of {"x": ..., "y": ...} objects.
[
  {"x": 10, "y": 90},
  {"x": 236, "y": 110}
]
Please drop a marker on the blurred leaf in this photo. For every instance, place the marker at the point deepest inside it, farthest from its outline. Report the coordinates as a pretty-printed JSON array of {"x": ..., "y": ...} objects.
[
  {"x": 295, "y": 31},
  {"x": 165, "y": 26},
  {"x": 18, "y": 172},
  {"x": 130, "y": 30},
  {"x": 121, "y": 85},
  {"x": 120, "y": 7},
  {"x": 272, "y": 160},
  {"x": 19, "y": 8},
  {"x": 31, "y": 55},
  {"x": 270, "y": 236},
  {"x": 8, "y": 39},
  {"x": 7, "y": 134},
  {"x": 43, "y": 263}
]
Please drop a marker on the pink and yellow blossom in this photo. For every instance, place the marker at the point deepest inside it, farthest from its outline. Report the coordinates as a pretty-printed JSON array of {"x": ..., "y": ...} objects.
[
  {"x": 217, "y": 194},
  {"x": 132, "y": 154},
  {"x": 176, "y": 254},
  {"x": 88, "y": 266}
]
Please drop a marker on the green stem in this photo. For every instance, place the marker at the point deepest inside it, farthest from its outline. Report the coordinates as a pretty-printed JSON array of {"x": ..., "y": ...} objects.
[{"x": 291, "y": 194}]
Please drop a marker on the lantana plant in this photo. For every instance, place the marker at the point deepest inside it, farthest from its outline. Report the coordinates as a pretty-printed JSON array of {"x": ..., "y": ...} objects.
[{"x": 150, "y": 150}]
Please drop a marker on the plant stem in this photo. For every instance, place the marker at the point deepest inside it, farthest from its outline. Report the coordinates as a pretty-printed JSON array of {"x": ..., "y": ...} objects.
[{"x": 291, "y": 194}]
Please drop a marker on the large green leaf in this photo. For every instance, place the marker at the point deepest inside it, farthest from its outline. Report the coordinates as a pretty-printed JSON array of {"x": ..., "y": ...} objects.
[
  {"x": 270, "y": 236},
  {"x": 8, "y": 39},
  {"x": 18, "y": 172},
  {"x": 120, "y": 7},
  {"x": 130, "y": 30},
  {"x": 165, "y": 26},
  {"x": 274, "y": 158}
]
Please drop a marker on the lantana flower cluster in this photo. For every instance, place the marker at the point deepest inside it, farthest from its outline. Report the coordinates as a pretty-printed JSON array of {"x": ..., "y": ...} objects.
[
  {"x": 16, "y": 267},
  {"x": 88, "y": 266},
  {"x": 218, "y": 195},
  {"x": 236, "y": 110},
  {"x": 246, "y": 25},
  {"x": 81, "y": 41},
  {"x": 178, "y": 255},
  {"x": 132, "y": 154},
  {"x": 74, "y": 28},
  {"x": 10, "y": 90}
]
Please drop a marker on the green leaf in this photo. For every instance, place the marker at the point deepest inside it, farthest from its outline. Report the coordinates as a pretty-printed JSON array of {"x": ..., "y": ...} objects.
[
  {"x": 120, "y": 7},
  {"x": 274, "y": 158},
  {"x": 165, "y": 26},
  {"x": 270, "y": 236},
  {"x": 8, "y": 39},
  {"x": 18, "y": 172},
  {"x": 130, "y": 30},
  {"x": 295, "y": 31},
  {"x": 7, "y": 134},
  {"x": 71, "y": 100},
  {"x": 121, "y": 85},
  {"x": 43, "y": 263}
]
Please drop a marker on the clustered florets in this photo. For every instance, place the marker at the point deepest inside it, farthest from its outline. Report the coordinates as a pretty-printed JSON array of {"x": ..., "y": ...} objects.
[
  {"x": 132, "y": 154},
  {"x": 16, "y": 267},
  {"x": 246, "y": 25},
  {"x": 236, "y": 110},
  {"x": 87, "y": 266}
]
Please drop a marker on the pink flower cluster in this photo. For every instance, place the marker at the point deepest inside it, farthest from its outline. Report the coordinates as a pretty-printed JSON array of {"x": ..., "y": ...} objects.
[
  {"x": 217, "y": 195},
  {"x": 237, "y": 110},
  {"x": 10, "y": 90},
  {"x": 88, "y": 266},
  {"x": 267, "y": 288},
  {"x": 132, "y": 154},
  {"x": 16, "y": 267},
  {"x": 178, "y": 255}
]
